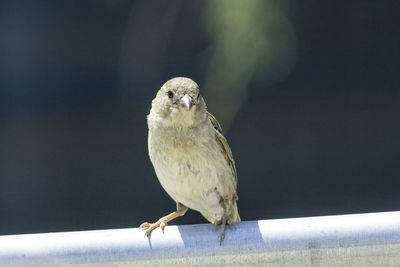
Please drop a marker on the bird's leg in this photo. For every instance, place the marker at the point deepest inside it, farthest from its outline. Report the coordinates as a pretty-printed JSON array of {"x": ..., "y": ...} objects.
[
  {"x": 162, "y": 222},
  {"x": 223, "y": 222}
]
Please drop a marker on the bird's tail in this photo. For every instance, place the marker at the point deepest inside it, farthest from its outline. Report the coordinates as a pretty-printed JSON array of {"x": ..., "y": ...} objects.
[{"x": 234, "y": 216}]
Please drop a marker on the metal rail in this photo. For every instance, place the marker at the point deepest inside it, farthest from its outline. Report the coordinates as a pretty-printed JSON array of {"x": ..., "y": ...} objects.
[{"x": 347, "y": 240}]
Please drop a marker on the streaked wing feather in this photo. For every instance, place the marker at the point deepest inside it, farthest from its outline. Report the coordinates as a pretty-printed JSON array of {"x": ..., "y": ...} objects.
[{"x": 223, "y": 144}]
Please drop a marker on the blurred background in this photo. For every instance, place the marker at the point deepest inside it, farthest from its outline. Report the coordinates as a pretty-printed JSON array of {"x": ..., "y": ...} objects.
[{"x": 307, "y": 92}]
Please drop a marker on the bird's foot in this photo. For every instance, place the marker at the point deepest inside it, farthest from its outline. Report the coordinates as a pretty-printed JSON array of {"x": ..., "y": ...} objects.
[
  {"x": 161, "y": 222},
  {"x": 151, "y": 226},
  {"x": 223, "y": 222}
]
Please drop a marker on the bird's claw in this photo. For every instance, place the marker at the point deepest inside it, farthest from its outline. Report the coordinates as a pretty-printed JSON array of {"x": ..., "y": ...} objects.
[
  {"x": 223, "y": 222},
  {"x": 149, "y": 227},
  {"x": 215, "y": 224},
  {"x": 144, "y": 225},
  {"x": 162, "y": 225}
]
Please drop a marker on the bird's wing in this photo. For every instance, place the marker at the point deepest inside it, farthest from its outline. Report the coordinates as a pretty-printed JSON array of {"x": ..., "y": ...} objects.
[{"x": 223, "y": 144}]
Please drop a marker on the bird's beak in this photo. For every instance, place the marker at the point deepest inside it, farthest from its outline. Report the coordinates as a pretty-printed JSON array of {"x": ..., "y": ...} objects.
[{"x": 186, "y": 101}]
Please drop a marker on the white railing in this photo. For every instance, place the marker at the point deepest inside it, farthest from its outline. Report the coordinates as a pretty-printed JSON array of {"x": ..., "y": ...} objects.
[{"x": 347, "y": 240}]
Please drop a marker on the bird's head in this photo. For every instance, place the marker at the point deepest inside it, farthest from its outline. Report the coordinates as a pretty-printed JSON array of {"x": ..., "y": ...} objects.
[{"x": 179, "y": 102}]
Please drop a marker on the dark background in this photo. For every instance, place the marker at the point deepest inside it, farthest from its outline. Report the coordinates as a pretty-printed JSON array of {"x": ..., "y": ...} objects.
[{"x": 308, "y": 94}]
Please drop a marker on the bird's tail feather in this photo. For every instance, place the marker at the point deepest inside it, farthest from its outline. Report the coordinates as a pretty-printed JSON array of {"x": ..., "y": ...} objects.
[{"x": 234, "y": 216}]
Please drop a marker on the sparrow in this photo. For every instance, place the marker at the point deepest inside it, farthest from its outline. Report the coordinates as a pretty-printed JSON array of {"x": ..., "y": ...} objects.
[{"x": 191, "y": 157}]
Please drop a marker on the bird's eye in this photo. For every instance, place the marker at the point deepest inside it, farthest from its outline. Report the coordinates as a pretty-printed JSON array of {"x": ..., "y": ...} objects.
[{"x": 170, "y": 94}]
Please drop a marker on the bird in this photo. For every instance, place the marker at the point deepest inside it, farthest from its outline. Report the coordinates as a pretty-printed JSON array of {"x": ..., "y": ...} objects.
[{"x": 191, "y": 157}]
